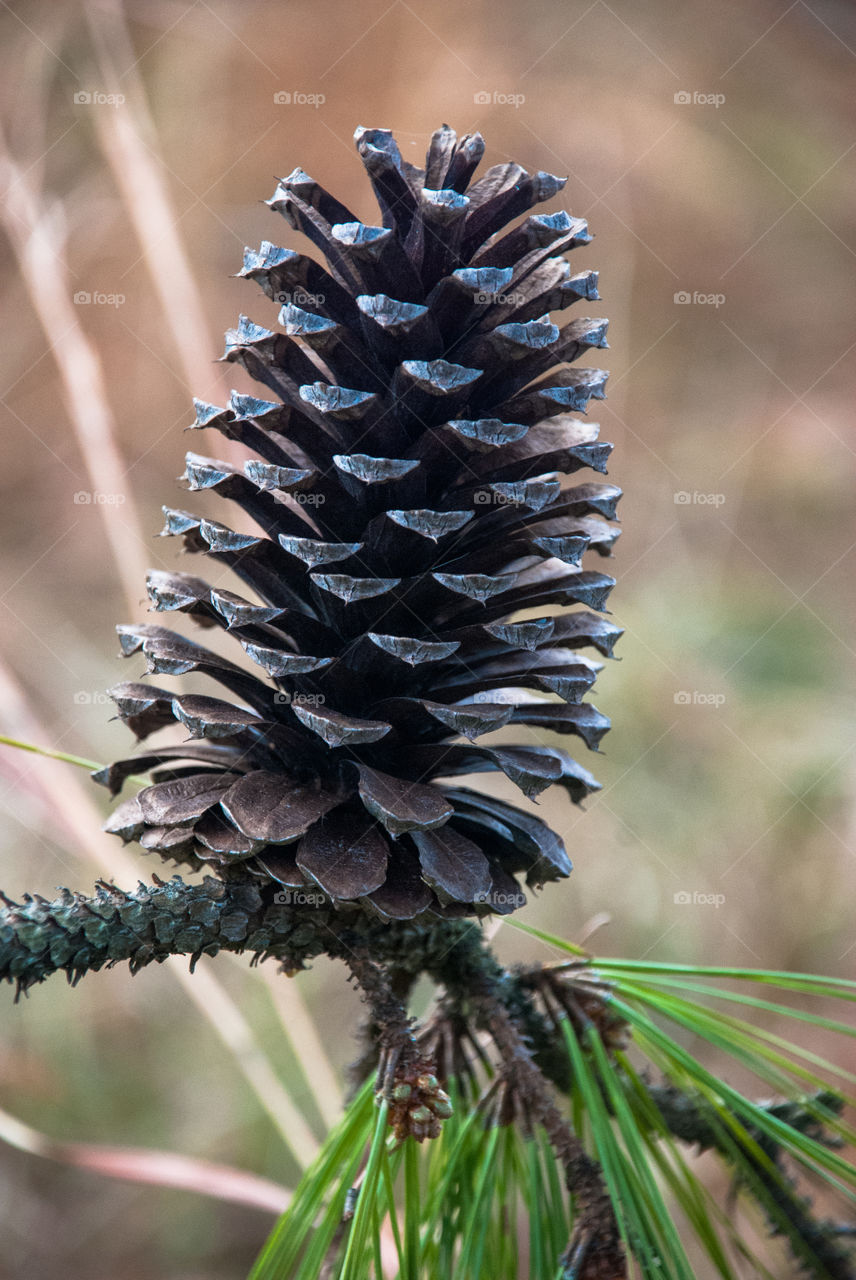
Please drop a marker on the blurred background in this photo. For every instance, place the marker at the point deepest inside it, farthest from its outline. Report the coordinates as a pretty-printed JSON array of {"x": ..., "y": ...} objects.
[{"x": 712, "y": 149}]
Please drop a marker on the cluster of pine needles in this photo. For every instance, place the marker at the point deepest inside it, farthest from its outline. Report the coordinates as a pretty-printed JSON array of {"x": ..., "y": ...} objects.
[{"x": 486, "y": 1198}]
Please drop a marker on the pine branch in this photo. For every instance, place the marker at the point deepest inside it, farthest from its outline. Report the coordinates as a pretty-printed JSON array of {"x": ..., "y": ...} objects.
[
  {"x": 77, "y": 934},
  {"x": 480, "y": 990},
  {"x": 819, "y": 1246},
  {"x": 595, "y": 1251}
]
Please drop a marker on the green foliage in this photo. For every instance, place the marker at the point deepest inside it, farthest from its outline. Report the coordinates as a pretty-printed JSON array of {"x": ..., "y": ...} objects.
[{"x": 486, "y": 1201}]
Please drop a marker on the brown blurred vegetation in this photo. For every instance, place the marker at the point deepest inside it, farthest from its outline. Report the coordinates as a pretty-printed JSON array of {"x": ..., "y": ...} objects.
[{"x": 744, "y": 593}]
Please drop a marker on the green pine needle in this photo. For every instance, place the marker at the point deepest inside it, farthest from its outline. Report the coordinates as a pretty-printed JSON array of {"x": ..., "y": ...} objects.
[{"x": 79, "y": 761}]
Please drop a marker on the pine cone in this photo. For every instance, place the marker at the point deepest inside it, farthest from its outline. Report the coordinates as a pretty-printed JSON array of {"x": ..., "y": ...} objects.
[{"x": 404, "y": 477}]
